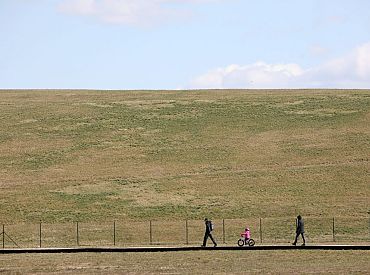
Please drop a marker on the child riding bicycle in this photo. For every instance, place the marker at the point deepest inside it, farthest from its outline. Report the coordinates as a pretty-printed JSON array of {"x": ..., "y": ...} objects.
[
  {"x": 246, "y": 234},
  {"x": 246, "y": 239}
]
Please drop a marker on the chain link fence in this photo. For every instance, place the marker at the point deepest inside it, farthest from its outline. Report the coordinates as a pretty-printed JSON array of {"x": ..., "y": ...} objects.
[{"x": 186, "y": 232}]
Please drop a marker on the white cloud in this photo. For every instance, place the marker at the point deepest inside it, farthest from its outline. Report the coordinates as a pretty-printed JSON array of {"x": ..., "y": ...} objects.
[
  {"x": 235, "y": 76},
  {"x": 130, "y": 12},
  {"x": 349, "y": 71}
]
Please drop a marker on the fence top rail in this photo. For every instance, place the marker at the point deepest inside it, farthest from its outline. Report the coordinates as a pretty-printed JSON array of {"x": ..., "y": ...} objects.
[{"x": 215, "y": 219}]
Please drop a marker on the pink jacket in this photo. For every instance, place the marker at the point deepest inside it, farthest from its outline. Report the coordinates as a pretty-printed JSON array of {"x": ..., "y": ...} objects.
[{"x": 246, "y": 234}]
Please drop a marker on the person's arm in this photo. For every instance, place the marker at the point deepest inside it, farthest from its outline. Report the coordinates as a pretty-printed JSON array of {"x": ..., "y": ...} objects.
[
  {"x": 299, "y": 226},
  {"x": 296, "y": 225}
]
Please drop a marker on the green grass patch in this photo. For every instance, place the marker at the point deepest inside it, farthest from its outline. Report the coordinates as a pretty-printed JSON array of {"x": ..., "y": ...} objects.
[{"x": 100, "y": 155}]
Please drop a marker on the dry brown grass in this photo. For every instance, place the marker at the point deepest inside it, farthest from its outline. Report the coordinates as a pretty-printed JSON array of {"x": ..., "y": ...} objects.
[
  {"x": 213, "y": 262},
  {"x": 104, "y": 155}
]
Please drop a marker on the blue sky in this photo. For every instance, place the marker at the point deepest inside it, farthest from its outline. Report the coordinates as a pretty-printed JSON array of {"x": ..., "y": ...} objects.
[{"x": 179, "y": 44}]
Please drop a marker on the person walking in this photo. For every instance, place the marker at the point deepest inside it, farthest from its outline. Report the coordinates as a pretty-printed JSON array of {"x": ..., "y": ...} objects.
[
  {"x": 208, "y": 233},
  {"x": 299, "y": 230}
]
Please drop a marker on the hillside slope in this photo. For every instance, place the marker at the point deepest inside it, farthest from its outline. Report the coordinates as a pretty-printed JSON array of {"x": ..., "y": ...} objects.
[{"x": 98, "y": 155}]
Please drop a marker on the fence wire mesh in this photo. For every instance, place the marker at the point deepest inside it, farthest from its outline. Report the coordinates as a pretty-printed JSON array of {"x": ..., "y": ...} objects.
[{"x": 184, "y": 232}]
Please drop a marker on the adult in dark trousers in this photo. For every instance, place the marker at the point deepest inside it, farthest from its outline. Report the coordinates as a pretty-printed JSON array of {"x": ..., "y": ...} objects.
[
  {"x": 299, "y": 230},
  {"x": 208, "y": 233}
]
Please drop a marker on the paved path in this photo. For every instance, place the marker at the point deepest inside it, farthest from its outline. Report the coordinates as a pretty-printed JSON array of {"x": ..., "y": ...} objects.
[{"x": 180, "y": 248}]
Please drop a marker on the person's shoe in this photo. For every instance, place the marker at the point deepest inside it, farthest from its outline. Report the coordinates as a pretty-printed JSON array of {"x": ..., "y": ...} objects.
[
  {"x": 294, "y": 244},
  {"x": 215, "y": 245},
  {"x": 203, "y": 246},
  {"x": 303, "y": 244}
]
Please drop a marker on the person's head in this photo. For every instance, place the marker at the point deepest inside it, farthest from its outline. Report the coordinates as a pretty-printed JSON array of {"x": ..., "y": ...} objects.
[
  {"x": 205, "y": 219},
  {"x": 299, "y": 217},
  {"x": 247, "y": 228}
]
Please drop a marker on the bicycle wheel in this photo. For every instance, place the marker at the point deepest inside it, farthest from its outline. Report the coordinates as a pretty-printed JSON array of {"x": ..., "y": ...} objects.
[
  {"x": 251, "y": 242},
  {"x": 240, "y": 242}
]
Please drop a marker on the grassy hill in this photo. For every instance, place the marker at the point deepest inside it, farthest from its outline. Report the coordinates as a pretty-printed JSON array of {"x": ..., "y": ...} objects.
[{"x": 101, "y": 155}]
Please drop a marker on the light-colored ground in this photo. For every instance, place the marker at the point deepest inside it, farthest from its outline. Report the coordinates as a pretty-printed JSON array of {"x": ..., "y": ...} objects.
[{"x": 210, "y": 262}]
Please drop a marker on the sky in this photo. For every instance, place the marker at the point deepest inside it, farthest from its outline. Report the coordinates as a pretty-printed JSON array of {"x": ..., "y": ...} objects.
[{"x": 184, "y": 44}]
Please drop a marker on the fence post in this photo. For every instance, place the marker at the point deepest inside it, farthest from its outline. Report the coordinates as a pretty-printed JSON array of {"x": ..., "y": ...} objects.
[
  {"x": 40, "y": 234},
  {"x": 186, "y": 232},
  {"x": 333, "y": 229},
  {"x": 223, "y": 230},
  {"x": 3, "y": 236},
  {"x": 77, "y": 235},
  {"x": 114, "y": 233},
  {"x": 150, "y": 233},
  {"x": 261, "y": 230}
]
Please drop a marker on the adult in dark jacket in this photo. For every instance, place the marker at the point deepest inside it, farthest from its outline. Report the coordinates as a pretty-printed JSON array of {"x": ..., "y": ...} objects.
[
  {"x": 299, "y": 230},
  {"x": 208, "y": 233}
]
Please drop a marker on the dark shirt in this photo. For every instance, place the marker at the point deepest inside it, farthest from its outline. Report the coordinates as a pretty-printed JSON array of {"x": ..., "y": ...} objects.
[
  {"x": 300, "y": 226},
  {"x": 208, "y": 226}
]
